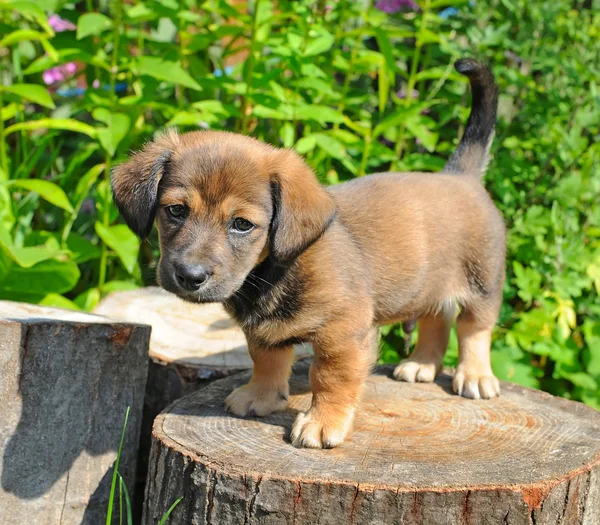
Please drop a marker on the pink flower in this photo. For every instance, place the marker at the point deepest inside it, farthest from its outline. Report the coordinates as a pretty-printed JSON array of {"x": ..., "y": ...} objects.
[
  {"x": 60, "y": 24},
  {"x": 393, "y": 6},
  {"x": 58, "y": 74}
]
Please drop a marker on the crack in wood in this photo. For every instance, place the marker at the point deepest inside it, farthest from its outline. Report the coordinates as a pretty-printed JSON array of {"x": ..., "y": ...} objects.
[
  {"x": 464, "y": 517},
  {"x": 352, "y": 507},
  {"x": 252, "y": 502},
  {"x": 297, "y": 498},
  {"x": 566, "y": 502},
  {"x": 210, "y": 494},
  {"x": 583, "y": 500}
]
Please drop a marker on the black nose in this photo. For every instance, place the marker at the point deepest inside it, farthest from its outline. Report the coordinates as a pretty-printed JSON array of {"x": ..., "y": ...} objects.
[{"x": 191, "y": 277}]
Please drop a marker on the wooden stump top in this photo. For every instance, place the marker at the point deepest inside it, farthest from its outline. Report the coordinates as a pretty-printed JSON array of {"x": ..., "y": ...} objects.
[
  {"x": 406, "y": 437},
  {"x": 24, "y": 312},
  {"x": 201, "y": 335}
]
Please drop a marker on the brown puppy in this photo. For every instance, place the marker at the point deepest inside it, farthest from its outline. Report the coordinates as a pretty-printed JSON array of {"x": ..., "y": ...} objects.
[{"x": 243, "y": 223}]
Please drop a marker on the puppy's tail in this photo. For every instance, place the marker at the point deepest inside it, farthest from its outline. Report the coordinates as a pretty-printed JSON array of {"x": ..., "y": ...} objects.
[{"x": 472, "y": 154}]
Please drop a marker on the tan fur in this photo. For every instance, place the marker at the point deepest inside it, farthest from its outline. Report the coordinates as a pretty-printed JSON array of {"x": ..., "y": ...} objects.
[{"x": 337, "y": 263}]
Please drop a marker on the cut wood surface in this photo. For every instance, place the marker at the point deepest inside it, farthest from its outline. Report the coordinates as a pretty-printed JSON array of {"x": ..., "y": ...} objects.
[
  {"x": 419, "y": 455},
  {"x": 66, "y": 380}
]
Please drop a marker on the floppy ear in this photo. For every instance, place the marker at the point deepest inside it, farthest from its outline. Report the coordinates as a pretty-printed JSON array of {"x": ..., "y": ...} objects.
[
  {"x": 302, "y": 209},
  {"x": 135, "y": 182}
]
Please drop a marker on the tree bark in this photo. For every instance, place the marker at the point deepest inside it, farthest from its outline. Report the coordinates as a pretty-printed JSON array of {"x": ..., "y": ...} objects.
[
  {"x": 419, "y": 455},
  {"x": 66, "y": 380}
]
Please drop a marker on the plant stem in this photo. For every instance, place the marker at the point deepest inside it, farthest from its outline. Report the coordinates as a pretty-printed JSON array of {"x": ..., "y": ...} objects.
[
  {"x": 249, "y": 69},
  {"x": 3, "y": 158},
  {"x": 105, "y": 222},
  {"x": 179, "y": 90},
  {"x": 107, "y": 197},
  {"x": 115, "y": 52},
  {"x": 412, "y": 80},
  {"x": 365, "y": 157}
]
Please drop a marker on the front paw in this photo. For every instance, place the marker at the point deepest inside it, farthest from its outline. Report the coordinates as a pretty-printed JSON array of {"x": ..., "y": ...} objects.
[
  {"x": 413, "y": 370},
  {"x": 475, "y": 384},
  {"x": 254, "y": 399},
  {"x": 315, "y": 429}
]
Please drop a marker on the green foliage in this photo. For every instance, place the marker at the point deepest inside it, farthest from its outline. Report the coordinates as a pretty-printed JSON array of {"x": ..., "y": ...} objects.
[{"x": 353, "y": 89}]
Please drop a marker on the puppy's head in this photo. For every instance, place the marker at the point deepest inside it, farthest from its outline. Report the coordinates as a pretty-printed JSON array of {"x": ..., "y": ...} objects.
[{"x": 222, "y": 203}]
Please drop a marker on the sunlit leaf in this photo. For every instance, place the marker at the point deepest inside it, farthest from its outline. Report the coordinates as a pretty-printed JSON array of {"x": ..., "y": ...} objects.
[
  {"x": 54, "y": 123},
  {"x": 32, "y": 92},
  {"x": 167, "y": 71},
  {"x": 47, "y": 190},
  {"x": 123, "y": 241},
  {"x": 92, "y": 24}
]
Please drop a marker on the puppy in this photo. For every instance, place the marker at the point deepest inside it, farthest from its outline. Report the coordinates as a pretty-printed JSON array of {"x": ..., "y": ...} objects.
[{"x": 243, "y": 223}]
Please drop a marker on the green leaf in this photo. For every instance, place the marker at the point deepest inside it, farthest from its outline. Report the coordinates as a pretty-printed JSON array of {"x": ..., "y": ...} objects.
[
  {"x": 330, "y": 145},
  {"x": 65, "y": 124},
  {"x": 117, "y": 126},
  {"x": 167, "y": 71},
  {"x": 21, "y": 35},
  {"x": 580, "y": 379},
  {"x": 92, "y": 24},
  {"x": 46, "y": 277},
  {"x": 118, "y": 286},
  {"x": 9, "y": 111},
  {"x": 58, "y": 301},
  {"x": 28, "y": 256},
  {"x": 399, "y": 116},
  {"x": 49, "y": 191},
  {"x": 81, "y": 249},
  {"x": 33, "y": 92},
  {"x": 123, "y": 241},
  {"x": 419, "y": 130},
  {"x": 84, "y": 185},
  {"x": 306, "y": 144},
  {"x": 141, "y": 12},
  {"x": 320, "y": 44},
  {"x": 63, "y": 56},
  {"x": 30, "y": 11},
  {"x": 323, "y": 114},
  {"x": 385, "y": 46},
  {"x": 7, "y": 218},
  {"x": 88, "y": 300}
]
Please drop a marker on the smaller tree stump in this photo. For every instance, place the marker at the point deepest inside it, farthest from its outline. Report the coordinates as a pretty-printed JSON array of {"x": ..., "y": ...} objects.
[
  {"x": 419, "y": 455},
  {"x": 66, "y": 380},
  {"x": 191, "y": 346}
]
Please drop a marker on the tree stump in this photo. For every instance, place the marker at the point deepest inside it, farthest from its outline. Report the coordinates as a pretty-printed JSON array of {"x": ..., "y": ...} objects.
[
  {"x": 419, "y": 455},
  {"x": 191, "y": 346},
  {"x": 66, "y": 380}
]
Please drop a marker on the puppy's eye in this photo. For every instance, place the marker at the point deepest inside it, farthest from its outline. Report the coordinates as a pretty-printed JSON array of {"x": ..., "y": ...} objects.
[
  {"x": 241, "y": 225},
  {"x": 177, "y": 211}
]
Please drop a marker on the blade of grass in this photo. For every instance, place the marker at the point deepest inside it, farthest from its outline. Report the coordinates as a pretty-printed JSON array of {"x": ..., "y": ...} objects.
[
  {"x": 120, "y": 499},
  {"x": 168, "y": 513},
  {"x": 127, "y": 500},
  {"x": 113, "y": 486}
]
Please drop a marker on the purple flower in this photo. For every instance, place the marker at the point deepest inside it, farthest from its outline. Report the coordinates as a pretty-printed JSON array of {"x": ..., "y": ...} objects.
[
  {"x": 394, "y": 6},
  {"x": 58, "y": 74},
  {"x": 402, "y": 93},
  {"x": 60, "y": 24}
]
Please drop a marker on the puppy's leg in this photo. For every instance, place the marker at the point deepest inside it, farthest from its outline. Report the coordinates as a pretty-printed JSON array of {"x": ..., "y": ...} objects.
[
  {"x": 268, "y": 389},
  {"x": 474, "y": 377},
  {"x": 339, "y": 368},
  {"x": 425, "y": 363}
]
